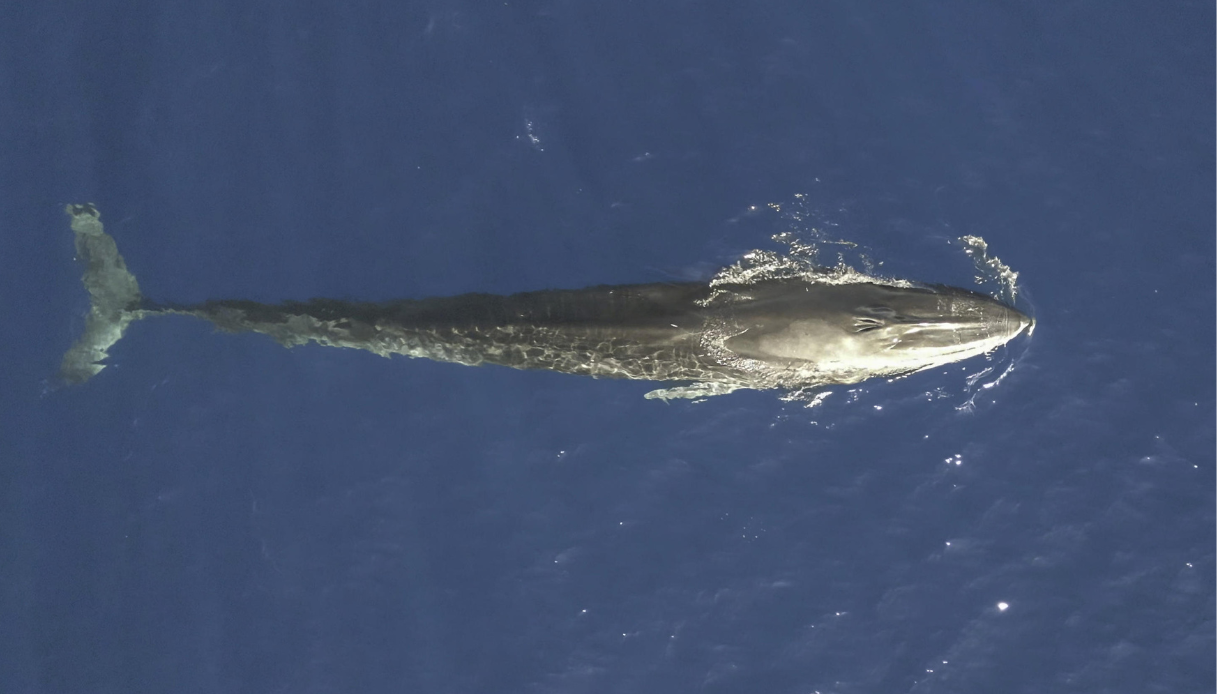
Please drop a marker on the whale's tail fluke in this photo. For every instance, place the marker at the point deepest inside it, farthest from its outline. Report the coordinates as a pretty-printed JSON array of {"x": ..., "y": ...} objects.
[{"x": 114, "y": 296}]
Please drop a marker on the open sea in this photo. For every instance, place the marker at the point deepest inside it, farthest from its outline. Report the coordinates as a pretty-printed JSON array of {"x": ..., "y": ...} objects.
[{"x": 214, "y": 513}]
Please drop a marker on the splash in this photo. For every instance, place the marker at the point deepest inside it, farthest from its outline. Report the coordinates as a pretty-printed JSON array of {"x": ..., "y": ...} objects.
[
  {"x": 811, "y": 254},
  {"x": 990, "y": 270}
]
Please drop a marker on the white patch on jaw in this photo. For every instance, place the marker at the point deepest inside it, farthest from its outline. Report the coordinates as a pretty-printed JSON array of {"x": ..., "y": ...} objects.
[{"x": 811, "y": 341}]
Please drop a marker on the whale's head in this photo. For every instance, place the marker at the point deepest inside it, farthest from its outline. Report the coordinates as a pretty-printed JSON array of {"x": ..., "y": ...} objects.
[{"x": 856, "y": 331}]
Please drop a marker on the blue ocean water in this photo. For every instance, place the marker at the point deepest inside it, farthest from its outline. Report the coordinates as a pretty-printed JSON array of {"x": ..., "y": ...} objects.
[{"x": 214, "y": 513}]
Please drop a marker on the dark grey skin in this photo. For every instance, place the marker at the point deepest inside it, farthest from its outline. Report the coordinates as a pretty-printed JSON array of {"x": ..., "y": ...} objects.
[{"x": 790, "y": 333}]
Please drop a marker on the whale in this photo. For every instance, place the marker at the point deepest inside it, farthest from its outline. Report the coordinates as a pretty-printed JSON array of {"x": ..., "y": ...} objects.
[{"x": 695, "y": 338}]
